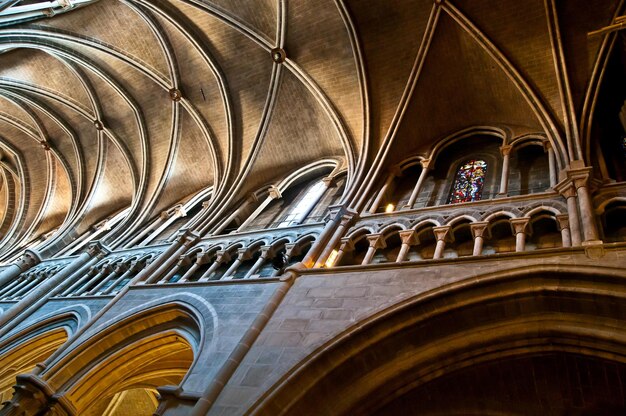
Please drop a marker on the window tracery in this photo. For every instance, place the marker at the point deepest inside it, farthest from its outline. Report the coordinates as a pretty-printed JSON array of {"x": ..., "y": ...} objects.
[{"x": 468, "y": 182}]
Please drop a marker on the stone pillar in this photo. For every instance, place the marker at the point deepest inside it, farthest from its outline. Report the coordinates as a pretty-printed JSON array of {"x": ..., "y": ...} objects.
[
  {"x": 563, "y": 223},
  {"x": 273, "y": 193},
  {"x": 345, "y": 221},
  {"x": 201, "y": 259},
  {"x": 184, "y": 240},
  {"x": 27, "y": 260},
  {"x": 420, "y": 182},
  {"x": 385, "y": 188},
  {"x": 117, "y": 271},
  {"x": 519, "y": 227},
  {"x": 134, "y": 268},
  {"x": 376, "y": 241},
  {"x": 168, "y": 217},
  {"x": 479, "y": 231},
  {"x": 551, "y": 163},
  {"x": 220, "y": 258},
  {"x": 104, "y": 270},
  {"x": 504, "y": 180},
  {"x": 266, "y": 251},
  {"x": 346, "y": 246},
  {"x": 183, "y": 261},
  {"x": 243, "y": 254},
  {"x": 567, "y": 190},
  {"x": 50, "y": 287},
  {"x": 244, "y": 206},
  {"x": 441, "y": 234},
  {"x": 409, "y": 238},
  {"x": 580, "y": 178},
  {"x": 81, "y": 281}
]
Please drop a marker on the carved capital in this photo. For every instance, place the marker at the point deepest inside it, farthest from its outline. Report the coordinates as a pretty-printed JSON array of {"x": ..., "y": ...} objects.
[
  {"x": 187, "y": 237},
  {"x": 409, "y": 237},
  {"x": 223, "y": 256},
  {"x": 480, "y": 229},
  {"x": 244, "y": 254},
  {"x": 28, "y": 259},
  {"x": 566, "y": 188},
  {"x": 183, "y": 261},
  {"x": 97, "y": 249},
  {"x": 329, "y": 181},
  {"x": 291, "y": 249},
  {"x": 563, "y": 221},
  {"x": 519, "y": 225},
  {"x": 347, "y": 244},
  {"x": 274, "y": 192},
  {"x": 425, "y": 164},
  {"x": 506, "y": 149},
  {"x": 376, "y": 240},
  {"x": 579, "y": 177},
  {"x": 442, "y": 233}
]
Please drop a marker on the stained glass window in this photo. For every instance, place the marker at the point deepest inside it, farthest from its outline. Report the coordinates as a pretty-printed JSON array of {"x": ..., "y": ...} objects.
[{"x": 469, "y": 181}]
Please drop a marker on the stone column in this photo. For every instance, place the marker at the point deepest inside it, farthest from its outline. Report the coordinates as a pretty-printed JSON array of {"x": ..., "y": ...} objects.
[
  {"x": 244, "y": 206},
  {"x": 385, "y": 188},
  {"x": 520, "y": 229},
  {"x": 168, "y": 217},
  {"x": 567, "y": 190},
  {"x": 504, "y": 180},
  {"x": 479, "y": 231},
  {"x": 220, "y": 258},
  {"x": 93, "y": 270},
  {"x": 265, "y": 253},
  {"x": 346, "y": 246},
  {"x": 409, "y": 238},
  {"x": 563, "y": 223},
  {"x": 134, "y": 268},
  {"x": 29, "y": 259},
  {"x": 580, "y": 178},
  {"x": 273, "y": 193},
  {"x": 345, "y": 221},
  {"x": 201, "y": 259},
  {"x": 33, "y": 396},
  {"x": 183, "y": 242},
  {"x": 420, "y": 182},
  {"x": 117, "y": 271},
  {"x": 551, "y": 163},
  {"x": 243, "y": 254},
  {"x": 50, "y": 287},
  {"x": 104, "y": 271},
  {"x": 376, "y": 241},
  {"x": 441, "y": 234},
  {"x": 183, "y": 261}
]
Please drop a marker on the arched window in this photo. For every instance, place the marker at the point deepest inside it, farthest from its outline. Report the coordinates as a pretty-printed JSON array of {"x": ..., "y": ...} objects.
[
  {"x": 304, "y": 206},
  {"x": 469, "y": 181}
]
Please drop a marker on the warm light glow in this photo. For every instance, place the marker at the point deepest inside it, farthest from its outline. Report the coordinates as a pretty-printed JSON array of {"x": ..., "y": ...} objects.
[
  {"x": 389, "y": 208},
  {"x": 330, "y": 262}
]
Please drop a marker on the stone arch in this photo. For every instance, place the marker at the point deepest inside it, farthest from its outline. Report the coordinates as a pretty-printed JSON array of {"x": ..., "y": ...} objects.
[
  {"x": 152, "y": 345},
  {"x": 24, "y": 349},
  {"x": 453, "y": 328}
]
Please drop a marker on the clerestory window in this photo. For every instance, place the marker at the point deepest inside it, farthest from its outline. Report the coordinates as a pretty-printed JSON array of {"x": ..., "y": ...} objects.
[{"x": 468, "y": 182}]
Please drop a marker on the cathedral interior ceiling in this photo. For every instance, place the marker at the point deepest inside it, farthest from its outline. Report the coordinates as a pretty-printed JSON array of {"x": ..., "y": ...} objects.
[{"x": 141, "y": 103}]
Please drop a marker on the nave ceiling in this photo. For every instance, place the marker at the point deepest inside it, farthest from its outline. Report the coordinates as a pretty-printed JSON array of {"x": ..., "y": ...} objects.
[{"x": 91, "y": 121}]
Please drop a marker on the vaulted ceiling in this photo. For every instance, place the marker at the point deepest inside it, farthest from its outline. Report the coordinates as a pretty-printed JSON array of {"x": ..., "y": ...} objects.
[{"x": 91, "y": 121}]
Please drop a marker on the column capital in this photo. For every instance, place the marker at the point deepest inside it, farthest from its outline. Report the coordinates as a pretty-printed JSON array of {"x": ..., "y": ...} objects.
[
  {"x": 547, "y": 145},
  {"x": 505, "y": 150},
  {"x": 348, "y": 217},
  {"x": 480, "y": 229},
  {"x": 179, "y": 210},
  {"x": 347, "y": 244},
  {"x": 562, "y": 221},
  {"x": 566, "y": 188},
  {"x": 183, "y": 260},
  {"x": 96, "y": 248},
  {"x": 222, "y": 256},
  {"x": 267, "y": 251},
  {"x": 243, "y": 254},
  {"x": 28, "y": 259},
  {"x": 426, "y": 164},
  {"x": 409, "y": 237},
  {"x": 274, "y": 193},
  {"x": 186, "y": 237},
  {"x": 329, "y": 181},
  {"x": 519, "y": 225},
  {"x": 202, "y": 257},
  {"x": 289, "y": 248},
  {"x": 376, "y": 240},
  {"x": 580, "y": 177},
  {"x": 442, "y": 233}
]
